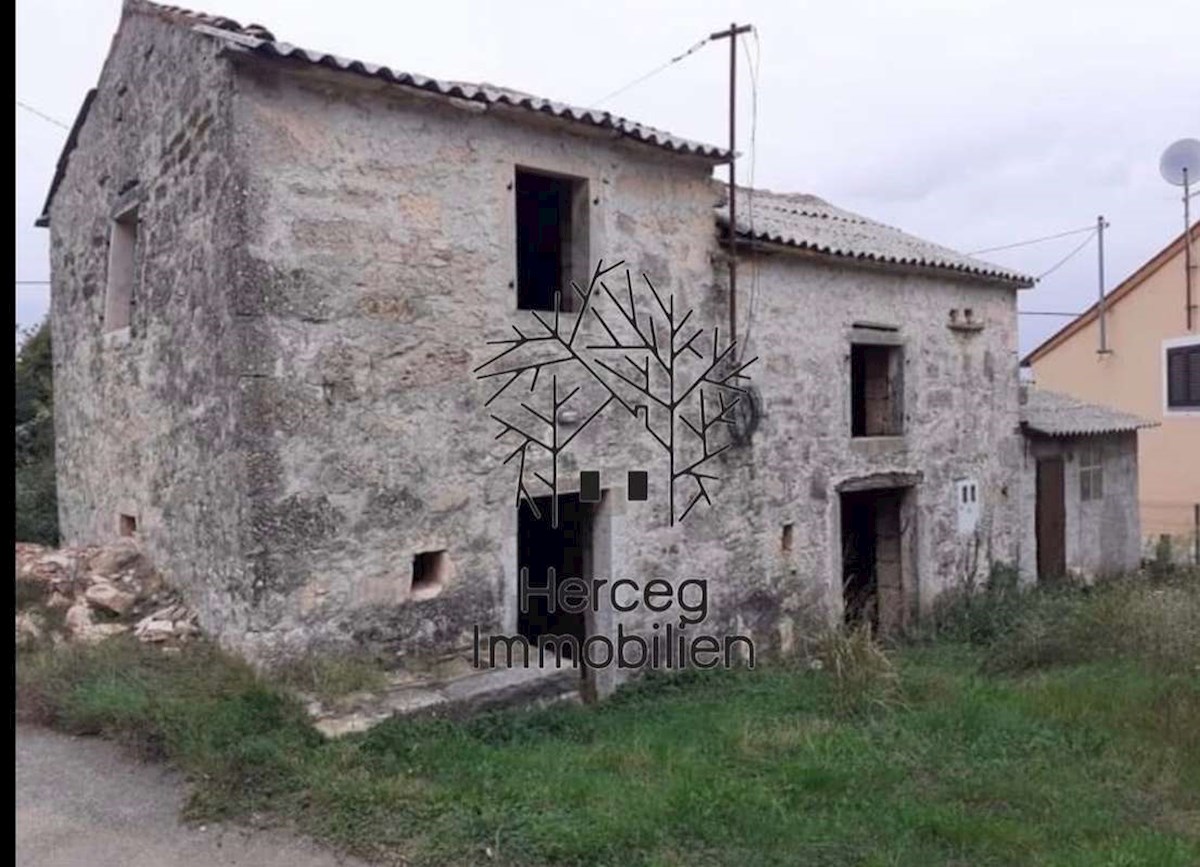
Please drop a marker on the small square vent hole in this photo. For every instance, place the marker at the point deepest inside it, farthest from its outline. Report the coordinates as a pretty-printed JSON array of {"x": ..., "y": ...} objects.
[{"x": 430, "y": 571}]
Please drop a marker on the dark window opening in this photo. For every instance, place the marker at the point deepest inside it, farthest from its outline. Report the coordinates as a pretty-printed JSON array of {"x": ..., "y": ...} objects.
[
  {"x": 1183, "y": 377},
  {"x": 122, "y": 261},
  {"x": 430, "y": 570},
  {"x": 552, "y": 239},
  {"x": 567, "y": 550},
  {"x": 786, "y": 537},
  {"x": 875, "y": 391},
  {"x": 872, "y": 572},
  {"x": 589, "y": 486},
  {"x": 638, "y": 483},
  {"x": 127, "y": 525}
]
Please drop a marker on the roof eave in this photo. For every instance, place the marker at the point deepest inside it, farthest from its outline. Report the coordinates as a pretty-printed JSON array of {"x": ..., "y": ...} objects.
[
  {"x": 1029, "y": 427},
  {"x": 244, "y": 46},
  {"x": 780, "y": 245},
  {"x": 64, "y": 157}
]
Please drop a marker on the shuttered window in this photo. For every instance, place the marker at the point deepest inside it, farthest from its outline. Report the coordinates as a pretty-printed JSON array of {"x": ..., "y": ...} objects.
[{"x": 1183, "y": 377}]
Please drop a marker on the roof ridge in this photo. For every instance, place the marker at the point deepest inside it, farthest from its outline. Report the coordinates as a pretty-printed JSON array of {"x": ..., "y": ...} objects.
[
  {"x": 807, "y": 222},
  {"x": 190, "y": 16},
  {"x": 491, "y": 94}
]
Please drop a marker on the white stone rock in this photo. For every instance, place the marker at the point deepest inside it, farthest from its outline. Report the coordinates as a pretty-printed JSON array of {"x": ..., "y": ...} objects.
[
  {"x": 29, "y": 628},
  {"x": 104, "y": 595},
  {"x": 78, "y": 619},
  {"x": 155, "y": 631},
  {"x": 101, "y": 631},
  {"x": 114, "y": 558}
]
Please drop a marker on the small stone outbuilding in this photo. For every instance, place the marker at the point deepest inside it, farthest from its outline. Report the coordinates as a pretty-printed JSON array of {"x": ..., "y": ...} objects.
[{"x": 1080, "y": 484}]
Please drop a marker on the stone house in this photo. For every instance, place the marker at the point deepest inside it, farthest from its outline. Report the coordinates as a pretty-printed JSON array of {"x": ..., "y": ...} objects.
[
  {"x": 275, "y": 276},
  {"x": 1080, "y": 483}
]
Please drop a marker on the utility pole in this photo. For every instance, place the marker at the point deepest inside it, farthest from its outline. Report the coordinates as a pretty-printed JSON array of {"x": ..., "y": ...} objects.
[
  {"x": 732, "y": 34},
  {"x": 1187, "y": 249},
  {"x": 1100, "y": 227}
]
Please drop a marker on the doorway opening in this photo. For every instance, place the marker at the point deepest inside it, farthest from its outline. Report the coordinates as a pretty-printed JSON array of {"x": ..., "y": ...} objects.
[
  {"x": 872, "y": 558},
  {"x": 567, "y": 550},
  {"x": 1050, "y": 516}
]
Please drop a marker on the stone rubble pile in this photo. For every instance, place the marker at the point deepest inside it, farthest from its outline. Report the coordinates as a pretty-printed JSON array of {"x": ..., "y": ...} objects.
[{"x": 89, "y": 593}]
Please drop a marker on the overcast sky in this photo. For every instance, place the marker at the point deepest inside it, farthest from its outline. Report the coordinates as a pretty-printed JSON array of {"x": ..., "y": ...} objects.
[{"x": 973, "y": 123}]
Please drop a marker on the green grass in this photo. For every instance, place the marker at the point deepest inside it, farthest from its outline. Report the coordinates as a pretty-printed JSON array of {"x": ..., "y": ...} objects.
[
  {"x": 983, "y": 753},
  {"x": 333, "y": 677}
]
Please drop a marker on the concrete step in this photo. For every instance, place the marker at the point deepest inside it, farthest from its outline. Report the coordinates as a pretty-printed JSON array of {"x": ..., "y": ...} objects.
[{"x": 455, "y": 698}]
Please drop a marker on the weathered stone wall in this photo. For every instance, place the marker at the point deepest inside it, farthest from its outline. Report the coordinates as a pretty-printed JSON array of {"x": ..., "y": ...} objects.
[
  {"x": 959, "y": 407},
  {"x": 144, "y": 416},
  {"x": 380, "y": 250},
  {"x": 1103, "y": 536}
]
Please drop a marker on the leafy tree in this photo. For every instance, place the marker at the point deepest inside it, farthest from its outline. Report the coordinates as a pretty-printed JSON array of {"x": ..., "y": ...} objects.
[{"x": 35, "y": 498}]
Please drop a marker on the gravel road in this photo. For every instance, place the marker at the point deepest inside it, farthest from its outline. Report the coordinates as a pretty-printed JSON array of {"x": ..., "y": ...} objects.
[{"x": 83, "y": 802}]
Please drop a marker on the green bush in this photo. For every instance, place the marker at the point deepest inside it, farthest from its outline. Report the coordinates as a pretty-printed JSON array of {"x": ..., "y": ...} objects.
[
  {"x": 862, "y": 676},
  {"x": 1128, "y": 618},
  {"x": 980, "y": 614}
]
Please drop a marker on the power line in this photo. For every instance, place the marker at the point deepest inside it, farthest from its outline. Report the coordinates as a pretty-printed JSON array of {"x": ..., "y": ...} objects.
[
  {"x": 33, "y": 282},
  {"x": 1065, "y": 258},
  {"x": 29, "y": 108},
  {"x": 1046, "y": 313},
  {"x": 1032, "y": 241},
  {"x": 653, "y": 72}
]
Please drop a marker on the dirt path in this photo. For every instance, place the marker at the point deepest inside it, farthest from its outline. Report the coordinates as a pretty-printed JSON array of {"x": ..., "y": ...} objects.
[{"x": 82, "y": 801}]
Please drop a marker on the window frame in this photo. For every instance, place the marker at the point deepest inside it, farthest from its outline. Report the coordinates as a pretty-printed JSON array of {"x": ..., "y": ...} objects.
[
  {"x": 888, "y": 340},
  {"x": 124, "y": 240},
  {"x": 1091, "y": 473},
  {"x": 575, "y": 238},
  {"x": 1170, "y": 346}
]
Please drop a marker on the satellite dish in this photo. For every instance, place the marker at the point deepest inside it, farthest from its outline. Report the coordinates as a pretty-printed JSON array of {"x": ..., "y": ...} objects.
[{"x": 1180, "y": 162}]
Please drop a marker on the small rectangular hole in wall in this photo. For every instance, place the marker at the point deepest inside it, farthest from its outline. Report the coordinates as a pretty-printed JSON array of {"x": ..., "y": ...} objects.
[
  {"x": 552, "y": 239},
  {"x": 122, "y": 264},
  {"x": 638, "y": 483},
  {"x": 785, "y": 538},
  {"x": 429, "y": 573},
  {"x": 589, "y": 486},
  {"x": 127, "y": 525}
]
